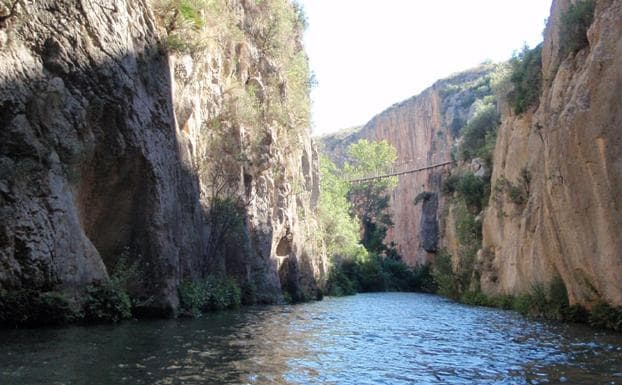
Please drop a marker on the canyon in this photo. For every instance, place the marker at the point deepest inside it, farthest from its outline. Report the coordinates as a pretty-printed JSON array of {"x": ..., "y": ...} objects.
[
  {"x": 176, "y": 138},
  {"x": 566, "y": 148}
]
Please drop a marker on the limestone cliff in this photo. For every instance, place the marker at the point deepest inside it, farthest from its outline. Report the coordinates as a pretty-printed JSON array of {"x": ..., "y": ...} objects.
[
  {"x": 570, "y": 144},
  {"x": 120, "y": 134},
  {"x": 424, "y": 130}
]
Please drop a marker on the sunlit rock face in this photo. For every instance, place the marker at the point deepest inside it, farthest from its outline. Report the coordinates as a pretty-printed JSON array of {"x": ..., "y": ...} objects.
[
  {"x": 423, "y": 129},
  {"x": 571, "y": 145},
  {"x": 103, "y": 151}
]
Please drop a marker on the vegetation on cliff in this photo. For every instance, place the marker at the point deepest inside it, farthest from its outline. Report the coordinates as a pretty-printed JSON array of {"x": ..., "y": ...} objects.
[
  {"x": 467, "y": 190},
  {"x": 222, "y": 91},
  {"x": 211, "y": 294},
  {"x": 526, "y": 78},
  {"x": 521, "y": 87},
  {"x": 106, "y": 301},
  {"x": 263, "y": 116},
  {"x": 575, "y": 22}
]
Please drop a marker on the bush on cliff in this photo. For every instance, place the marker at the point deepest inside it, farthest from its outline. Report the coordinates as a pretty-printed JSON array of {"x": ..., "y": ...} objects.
[
  {"x": 541, "y": 301},
  {"x": 574, "y": 25},
  {"x": 526, "y": 77},
  {"x": 211, "y": 294},
  {"x": 106, "y": 302},
  {"x": 605, "y": 316},
  {"x": 474, "y": 135},
  {"x": 444, "y": 277},
  {"x": 111, "y": 301},
  {"x": 30, "y": 308}
]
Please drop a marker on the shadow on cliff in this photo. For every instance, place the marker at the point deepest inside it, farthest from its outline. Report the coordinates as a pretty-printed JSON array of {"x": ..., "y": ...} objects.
[{"x": 93, "y": 166}]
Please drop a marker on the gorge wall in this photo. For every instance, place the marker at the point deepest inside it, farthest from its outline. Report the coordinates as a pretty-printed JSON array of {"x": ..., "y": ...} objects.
[
  {"x": 570, "y": 144},
  {"x": 127, "y": 129}
]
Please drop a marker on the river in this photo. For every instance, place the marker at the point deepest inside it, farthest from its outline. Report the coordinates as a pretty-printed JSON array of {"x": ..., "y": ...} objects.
[{"x": 384, "y": 338}]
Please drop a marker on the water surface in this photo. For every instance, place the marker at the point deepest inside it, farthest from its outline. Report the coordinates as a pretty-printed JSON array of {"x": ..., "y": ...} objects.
[{"x": 387, "y": 338}]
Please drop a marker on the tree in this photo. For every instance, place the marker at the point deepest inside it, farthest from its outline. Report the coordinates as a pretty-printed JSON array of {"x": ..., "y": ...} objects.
[
  {"x": 340, "y": 229},
  {"x": 370, "y": 199}
]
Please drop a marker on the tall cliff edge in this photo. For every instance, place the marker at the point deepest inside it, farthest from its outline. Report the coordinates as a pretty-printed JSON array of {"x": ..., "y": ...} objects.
[
  {"x": 571, "y": 145},
  {"x": 119, "y": 137}
]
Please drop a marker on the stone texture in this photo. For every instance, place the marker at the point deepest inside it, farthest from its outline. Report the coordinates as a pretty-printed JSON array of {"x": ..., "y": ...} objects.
[
  {"x": 571, "y": 145},
  {"x": 100, "y": 151}
]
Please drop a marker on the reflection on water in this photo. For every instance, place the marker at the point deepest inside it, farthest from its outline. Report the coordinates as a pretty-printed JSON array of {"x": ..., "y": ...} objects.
[{"x": 389, "y": 338}]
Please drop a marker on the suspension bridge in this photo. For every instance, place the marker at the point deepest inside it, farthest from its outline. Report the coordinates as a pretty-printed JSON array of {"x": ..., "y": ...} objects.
[{"x": 402, "y": 169}]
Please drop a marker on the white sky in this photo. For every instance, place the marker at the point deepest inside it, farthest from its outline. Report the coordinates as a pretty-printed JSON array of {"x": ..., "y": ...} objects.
[{"x": 369, "y": 54}]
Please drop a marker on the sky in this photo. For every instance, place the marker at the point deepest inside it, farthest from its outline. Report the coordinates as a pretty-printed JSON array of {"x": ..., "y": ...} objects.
[{"x": 369, "y": 54}]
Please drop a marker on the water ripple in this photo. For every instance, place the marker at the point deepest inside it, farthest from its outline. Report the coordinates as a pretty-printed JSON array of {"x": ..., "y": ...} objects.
[{"x": 388, "y": 338}]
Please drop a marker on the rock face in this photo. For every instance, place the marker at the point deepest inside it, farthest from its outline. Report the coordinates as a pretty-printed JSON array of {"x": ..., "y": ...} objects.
[
  {"x": 107, "y": 145},
  {"x": 570, "y": 146},
  {"x": 423, "y": 129}
]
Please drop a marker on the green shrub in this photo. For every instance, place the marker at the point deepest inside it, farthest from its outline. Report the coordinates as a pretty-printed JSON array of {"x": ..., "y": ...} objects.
[
  {"x": 484, "y": 122},
  {"x": 522, "y": 304},
  {"x": 473, "y": 190},
  {"x": 468, "y": 228},
  {"x": 505, "y": 302},
  {"x": 423, "y": 280},
  {"x": 189, "y": 12},
  {"x": 526, "y": 78},
  {"x": 444, "y": 276},
  {"x": 456, "y": 126},
  {"x": 31, "y": 308},
  {"x": 399, "y": 276},
  {"x": 605, "y": 316},
  {"x": 212, "y": 294},
  {"x": 222, "y": 293},
  {"x": 227, "y": 227},
  {"x": 574, "y": 25},
  {"x": 373, "y": 274},
  {"x": 450, "y": 184},
  {"x": 339, "y": 284},
  {"x": 192, "y": 296},
  {"x": 549, "y": 302},
  {"x": 106, "y": 302},
  {"x": 518, "y": 192},
  {"x": 576, "y": 313},
  {"x": 371, "y": 277},
  {"x": 476, "y": 298},
  {"x": 539, "y": 306},
  {"x": 486, "y": 151},
  {"x": 248, "y": 293}
]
